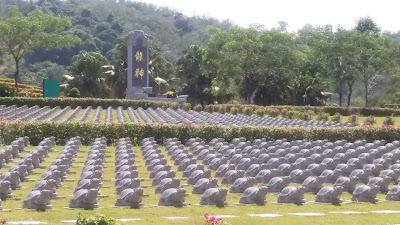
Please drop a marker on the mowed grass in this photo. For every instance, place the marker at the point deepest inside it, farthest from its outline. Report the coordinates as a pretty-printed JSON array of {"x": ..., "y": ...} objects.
[{"x": 150, "y": 214}]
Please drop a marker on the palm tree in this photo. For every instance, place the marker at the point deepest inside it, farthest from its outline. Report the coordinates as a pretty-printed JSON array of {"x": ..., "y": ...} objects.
[{"x": 87, "y": 74}]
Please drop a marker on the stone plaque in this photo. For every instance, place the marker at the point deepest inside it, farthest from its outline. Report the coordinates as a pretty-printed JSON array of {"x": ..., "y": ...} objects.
[{"x": 138, "y": 65}]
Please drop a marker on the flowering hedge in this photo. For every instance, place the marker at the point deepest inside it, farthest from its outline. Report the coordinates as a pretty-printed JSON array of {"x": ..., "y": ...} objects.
[
  {"x": 63, "y": 131},
  {"x": 84, "y": 102},
  {"x": 331, "y": 110}
]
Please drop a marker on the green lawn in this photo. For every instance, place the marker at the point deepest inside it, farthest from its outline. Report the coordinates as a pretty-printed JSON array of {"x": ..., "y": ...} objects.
[{"x": 156, "y": 215}]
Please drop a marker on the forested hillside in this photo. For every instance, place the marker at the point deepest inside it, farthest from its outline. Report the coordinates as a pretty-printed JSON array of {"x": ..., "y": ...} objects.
[{"x": 208, "y": 59}]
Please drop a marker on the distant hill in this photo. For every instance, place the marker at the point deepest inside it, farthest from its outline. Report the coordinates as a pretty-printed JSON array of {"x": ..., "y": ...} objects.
[{"x": 100, "y": 23}]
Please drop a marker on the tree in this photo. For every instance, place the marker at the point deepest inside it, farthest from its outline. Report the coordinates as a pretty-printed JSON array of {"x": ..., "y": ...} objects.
[
  {"x": 194, "y": 82},
  {"x": 367, "y": 24},
  {"x": 88, "y": 75},
  {"x": 373, "y": 58},
  {"x": 230, "y": 60},
  {"x": 22, "y": 34}
]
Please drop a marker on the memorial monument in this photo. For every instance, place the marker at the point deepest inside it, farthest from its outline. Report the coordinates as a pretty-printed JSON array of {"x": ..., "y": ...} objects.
[
  {"x": 138, "y": 71},
  {"x": 138, "y": 66}
]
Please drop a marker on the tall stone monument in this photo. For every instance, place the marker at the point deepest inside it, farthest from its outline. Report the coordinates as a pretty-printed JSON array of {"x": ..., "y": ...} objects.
[{"x": 138, "y": 66}]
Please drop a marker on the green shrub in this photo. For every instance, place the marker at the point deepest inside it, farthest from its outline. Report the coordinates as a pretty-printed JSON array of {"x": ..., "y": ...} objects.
[
  {"x": 322, "y": 116},
  {"x": 307, "y": 115},
  {"x": 274, "y": 113},
  {"x": 370, "y": 120},
  {"x": 173, "y": 106},
  {"x": 297, "y": 115},
  {"x": 331, "y": 110},
  {"x": 198, "y": 108},
  {"x": 388, "y": 121},
  {"x": 8, "y": 90},
  {"x": 353, "y": 118},
  {"x": 234, "y": 111},
  {"x": 247, "y": 111},
  {"x": 74, "y": 93},
  {"x": 84, "y": 102},
  {"x": 136, "y": 132},
  {"x": 259, "y": 112},
  {"x": 336, "y": 118},
  {"x": 233, "y": 102},
  {"x": 284, "y": 112},
  {"x": 209, "y": 108},
  {"x": 221, "y": 109},
  {"x": 97, "y": 219},
  {"x": 187, "y": 106}
]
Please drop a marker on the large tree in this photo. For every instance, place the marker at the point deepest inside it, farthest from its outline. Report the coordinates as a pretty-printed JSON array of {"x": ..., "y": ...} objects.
[
  {"x": 22, "y": 34},
  {"x": 88, "y": 74},
  {"x": 194, "y": 82}
]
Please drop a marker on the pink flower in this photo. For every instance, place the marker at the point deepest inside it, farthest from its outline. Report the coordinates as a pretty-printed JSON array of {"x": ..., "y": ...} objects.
[
  {"x": 205, "y": 216},
  {"x": 196, "y": 223},
  {"x": 3, "y": 221}
]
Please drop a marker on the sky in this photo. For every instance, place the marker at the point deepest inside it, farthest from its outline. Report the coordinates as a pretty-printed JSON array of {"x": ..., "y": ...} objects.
[{"x": 296, "y": 13}]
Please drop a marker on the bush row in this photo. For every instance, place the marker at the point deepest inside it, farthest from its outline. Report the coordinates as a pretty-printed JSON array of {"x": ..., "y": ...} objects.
[
  {"x": 63, "y": 131},
  {"x": 85, "y": 102},
  {"x": 331, "y": 110}
]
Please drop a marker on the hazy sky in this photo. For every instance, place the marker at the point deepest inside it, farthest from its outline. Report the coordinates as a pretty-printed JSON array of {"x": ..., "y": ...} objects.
[{"x": 296, "y": 13}]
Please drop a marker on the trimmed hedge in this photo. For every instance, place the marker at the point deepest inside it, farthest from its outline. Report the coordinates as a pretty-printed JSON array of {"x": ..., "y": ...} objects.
[
  {"x": 331, "y": 110},
  {"x": 85, "y": 102},
  {"x": 63, "y": 131}
]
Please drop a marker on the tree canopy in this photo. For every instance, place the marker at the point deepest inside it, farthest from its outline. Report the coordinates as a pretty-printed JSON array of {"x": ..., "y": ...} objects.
[{"x": 20, "y": 34}]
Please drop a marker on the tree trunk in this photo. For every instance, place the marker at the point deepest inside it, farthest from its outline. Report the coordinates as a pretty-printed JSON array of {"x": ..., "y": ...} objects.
[
  {"x": 366, "y": 95},
  {"x": 350, "y": 86},
  {"x": 366, "y": 90},
  {"x": 16, "y": 73},
  {"x": 349, "y": 96},
  {"x": 340, "y": 92}
]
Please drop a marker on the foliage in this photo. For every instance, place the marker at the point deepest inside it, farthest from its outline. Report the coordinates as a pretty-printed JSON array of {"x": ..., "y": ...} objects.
[
  {"x": 370, "y": 120},
  {"x": 194, "y": 82},
  {"x": 208, "y": 108},
  {"x": 98, "y": 219},
  {"x": 388, "y": 121},
  {"x": 234, "y": 111},
  {"x": 221, "y": 109},
  {"x": 274, "y": 113},
  {"x": 247, "y": 111},
  {"x": 353, "y": 118},
  {"x": 259, "y": 112},
  {"x": 74, "y": 93},
  {"x": 187, "y": 106},
  {"x": 307, "y": 115},
  {"x": 8, "y": 89},
  {"x": 198, "y": 108},
  {"x": 331, "y": 110},
  {"x": 13, "y": 129},
  {"x": 84, "y": 102},
  {"x": 336, "y": 117},
  {"x": 87, "y": 74},
  {"x": 322, "y": 116},
  {"x": 22, "y": 34}
]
